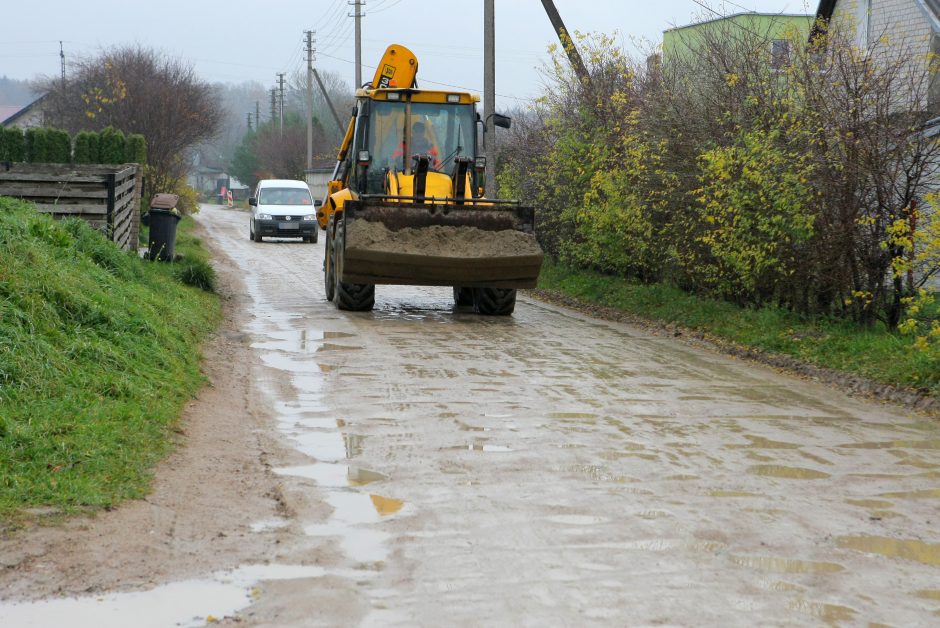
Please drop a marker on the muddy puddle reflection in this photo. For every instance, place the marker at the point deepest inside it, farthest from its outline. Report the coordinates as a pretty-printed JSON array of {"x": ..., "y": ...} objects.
[{"x": 185, "y": 603}]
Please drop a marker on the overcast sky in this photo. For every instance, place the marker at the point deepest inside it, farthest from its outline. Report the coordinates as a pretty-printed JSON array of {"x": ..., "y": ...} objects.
[{"x": 236, "y": 40}]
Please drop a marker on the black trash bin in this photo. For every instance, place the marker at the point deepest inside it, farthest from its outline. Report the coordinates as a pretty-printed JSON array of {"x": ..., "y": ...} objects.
[{"x": 163, "y": 218}]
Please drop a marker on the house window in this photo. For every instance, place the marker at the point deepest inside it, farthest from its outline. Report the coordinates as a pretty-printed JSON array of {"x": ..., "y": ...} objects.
[{"x": 779, "y": 53}]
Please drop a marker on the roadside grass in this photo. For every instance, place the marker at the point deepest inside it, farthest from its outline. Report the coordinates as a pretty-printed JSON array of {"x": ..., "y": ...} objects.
[
  {"x": 875, "y": 353},
  {"x": 99, "y": 351}
]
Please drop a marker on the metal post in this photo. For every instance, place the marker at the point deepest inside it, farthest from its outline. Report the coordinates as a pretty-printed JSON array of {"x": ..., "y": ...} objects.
[
  {"x": 309, "y": 100},
  {"x": 489, "y": 94},
  {"x": 358, "y": 16},
  {"x": 258, "y": 114},
  {"x": 249, "y": 121},
  {"x": 280, "y": 82},
  {"x": 273, "y": 104}
]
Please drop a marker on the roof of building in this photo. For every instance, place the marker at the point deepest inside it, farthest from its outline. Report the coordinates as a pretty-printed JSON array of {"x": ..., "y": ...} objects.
[
  {"x": 21, "y": 111},
  {"x": 734, "y": 15},
  {"x": 8, "y": 110}
]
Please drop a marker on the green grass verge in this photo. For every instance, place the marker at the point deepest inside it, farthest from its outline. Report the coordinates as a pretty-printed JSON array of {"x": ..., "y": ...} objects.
[
  {"x": 874, "y": 353},
  {"x": 99, "y": 350}
]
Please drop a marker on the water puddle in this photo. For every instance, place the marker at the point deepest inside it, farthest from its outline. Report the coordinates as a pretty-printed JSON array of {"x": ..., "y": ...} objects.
[
  {"x": 829, "y": 613},
  {"x": 353, "y": 513},
  {"x": 775, "y": 564},
  {"x": 653, "y": 514},
  {"x": 759, "y": 442},
  {"x": 929, "y": 493},
  {"x": 792, "y": 473},
  {"x": 482, "y": 447},
  {"x": 895, "y": 444},
  {"x": 731, "y": 494},
  {"x": 869, "y": 503},
  {"x": 187, "y": 603},
  {"x": 268, "y": 525},
  {"x": 577, "y": 520},
  {"x": 333, "y": 475},
  {"x": 908, "y": 549},
  {"x": 329, "y": 446}
]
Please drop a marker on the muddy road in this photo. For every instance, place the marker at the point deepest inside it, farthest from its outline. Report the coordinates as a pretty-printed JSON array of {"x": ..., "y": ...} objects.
[{"x": 421, "y": 466}]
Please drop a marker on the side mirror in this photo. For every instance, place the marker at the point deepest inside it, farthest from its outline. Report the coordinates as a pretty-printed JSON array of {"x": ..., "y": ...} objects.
[
  {"x": 253, "y": 201},
  {"x": 503, "y": 122}
]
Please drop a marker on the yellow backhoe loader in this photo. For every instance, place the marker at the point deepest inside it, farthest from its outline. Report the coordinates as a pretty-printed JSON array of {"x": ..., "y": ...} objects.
[{"x": 406, "y": 203}]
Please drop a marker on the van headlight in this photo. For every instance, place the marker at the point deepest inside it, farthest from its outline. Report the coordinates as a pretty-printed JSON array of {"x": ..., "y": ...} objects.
[
  {"x": 310, "y": 217},
  {"x": 264, "y": 216}
]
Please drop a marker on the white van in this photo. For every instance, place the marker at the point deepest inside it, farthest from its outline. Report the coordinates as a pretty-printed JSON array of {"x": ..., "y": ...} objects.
[{"x": 282, "y": 208}]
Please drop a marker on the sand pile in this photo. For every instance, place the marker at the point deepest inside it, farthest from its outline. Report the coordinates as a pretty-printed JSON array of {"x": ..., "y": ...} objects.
[{"x": 445, "y": 241}]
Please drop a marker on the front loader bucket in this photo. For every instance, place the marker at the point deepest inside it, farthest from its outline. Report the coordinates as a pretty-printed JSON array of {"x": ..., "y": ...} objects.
[{"x": 478, "y": 244}]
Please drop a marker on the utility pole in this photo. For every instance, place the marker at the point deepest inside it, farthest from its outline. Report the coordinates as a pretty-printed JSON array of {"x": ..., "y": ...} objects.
[
  {"x": 280, "y": 82},
  {"x": 258, "y": 114},
  {"x": 358, "y": 15},
  {"x": 62, "y": 58},
  {"x": 566, "y": 42},
  {"x": 273, "y": 104},
  {"x": 489, "y": 94},
  {"x": 249, "y": 121},
  {"x": 309, "y": 100}
]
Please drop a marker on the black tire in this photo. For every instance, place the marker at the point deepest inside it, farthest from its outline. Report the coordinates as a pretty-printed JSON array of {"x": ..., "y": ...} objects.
[
  {"x": 353, "y": 297},
  {"x": 315, "y": 237},
  {"x": 256, "y": 236},
  {"x": 329, "y": 267},
  {"x": 494, "y": 301},
  {"x": 463, "y": 297}
]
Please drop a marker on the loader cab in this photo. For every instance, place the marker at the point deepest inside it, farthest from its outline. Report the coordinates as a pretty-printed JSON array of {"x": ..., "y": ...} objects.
[{"x": 393, "y": 126}]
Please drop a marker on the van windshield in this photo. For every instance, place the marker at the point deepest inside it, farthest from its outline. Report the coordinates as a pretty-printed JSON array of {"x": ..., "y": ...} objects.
[{"x": 284, "y": 196}]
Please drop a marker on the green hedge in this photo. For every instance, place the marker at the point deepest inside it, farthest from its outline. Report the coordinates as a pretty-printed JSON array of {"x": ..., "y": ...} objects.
[
  {"x": 36, "y": 145},
  {"x": 49, "y": 145},
  {"x": 58, "y": 146},
  {"x": 86, "y": 147},
  {"x": 12, "y": 144},
  {"x": 111, "y": 147}
]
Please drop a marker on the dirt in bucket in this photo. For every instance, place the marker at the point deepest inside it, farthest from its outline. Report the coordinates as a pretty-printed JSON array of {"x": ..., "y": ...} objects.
[{"x": 437, "y": 240}]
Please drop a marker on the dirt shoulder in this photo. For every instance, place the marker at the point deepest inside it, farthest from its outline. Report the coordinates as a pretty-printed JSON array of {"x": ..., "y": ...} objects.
[
  {"x": 204, "y": 498},
  {"x": 851, "y": 384}
]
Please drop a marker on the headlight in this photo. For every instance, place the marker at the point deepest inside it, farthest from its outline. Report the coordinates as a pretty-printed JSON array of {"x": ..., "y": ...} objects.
[
  {"x": 310, "y": 217},
  {"x": 264, "y": 216}
]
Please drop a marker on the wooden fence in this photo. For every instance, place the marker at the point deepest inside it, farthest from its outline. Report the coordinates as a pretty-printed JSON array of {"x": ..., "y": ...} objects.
[{"x": 106, "y": 196}]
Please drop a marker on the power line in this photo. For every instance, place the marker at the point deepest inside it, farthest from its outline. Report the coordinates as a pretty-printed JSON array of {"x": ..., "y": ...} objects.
[
  {"x": 386, "y": 8},
  {"x": 424, "y": 80}
]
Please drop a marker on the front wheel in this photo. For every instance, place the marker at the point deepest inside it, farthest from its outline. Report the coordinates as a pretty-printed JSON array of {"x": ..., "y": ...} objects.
[
  {"x": 354, "y": 297},
  {"x": 463, "y": 297},
  {"x": 494, "y": 301}
]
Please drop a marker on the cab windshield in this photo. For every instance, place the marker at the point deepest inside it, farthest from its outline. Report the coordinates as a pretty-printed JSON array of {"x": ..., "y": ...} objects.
[{"x": 443, "y": 132}]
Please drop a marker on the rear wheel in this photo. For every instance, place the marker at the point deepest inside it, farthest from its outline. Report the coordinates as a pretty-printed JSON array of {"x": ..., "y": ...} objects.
[
  {"x": 494, "y": 301},
  {"x": 463, "y": 297},
  {"x": 354, "y": 297},
  {"x": 329, "y": 269}
]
